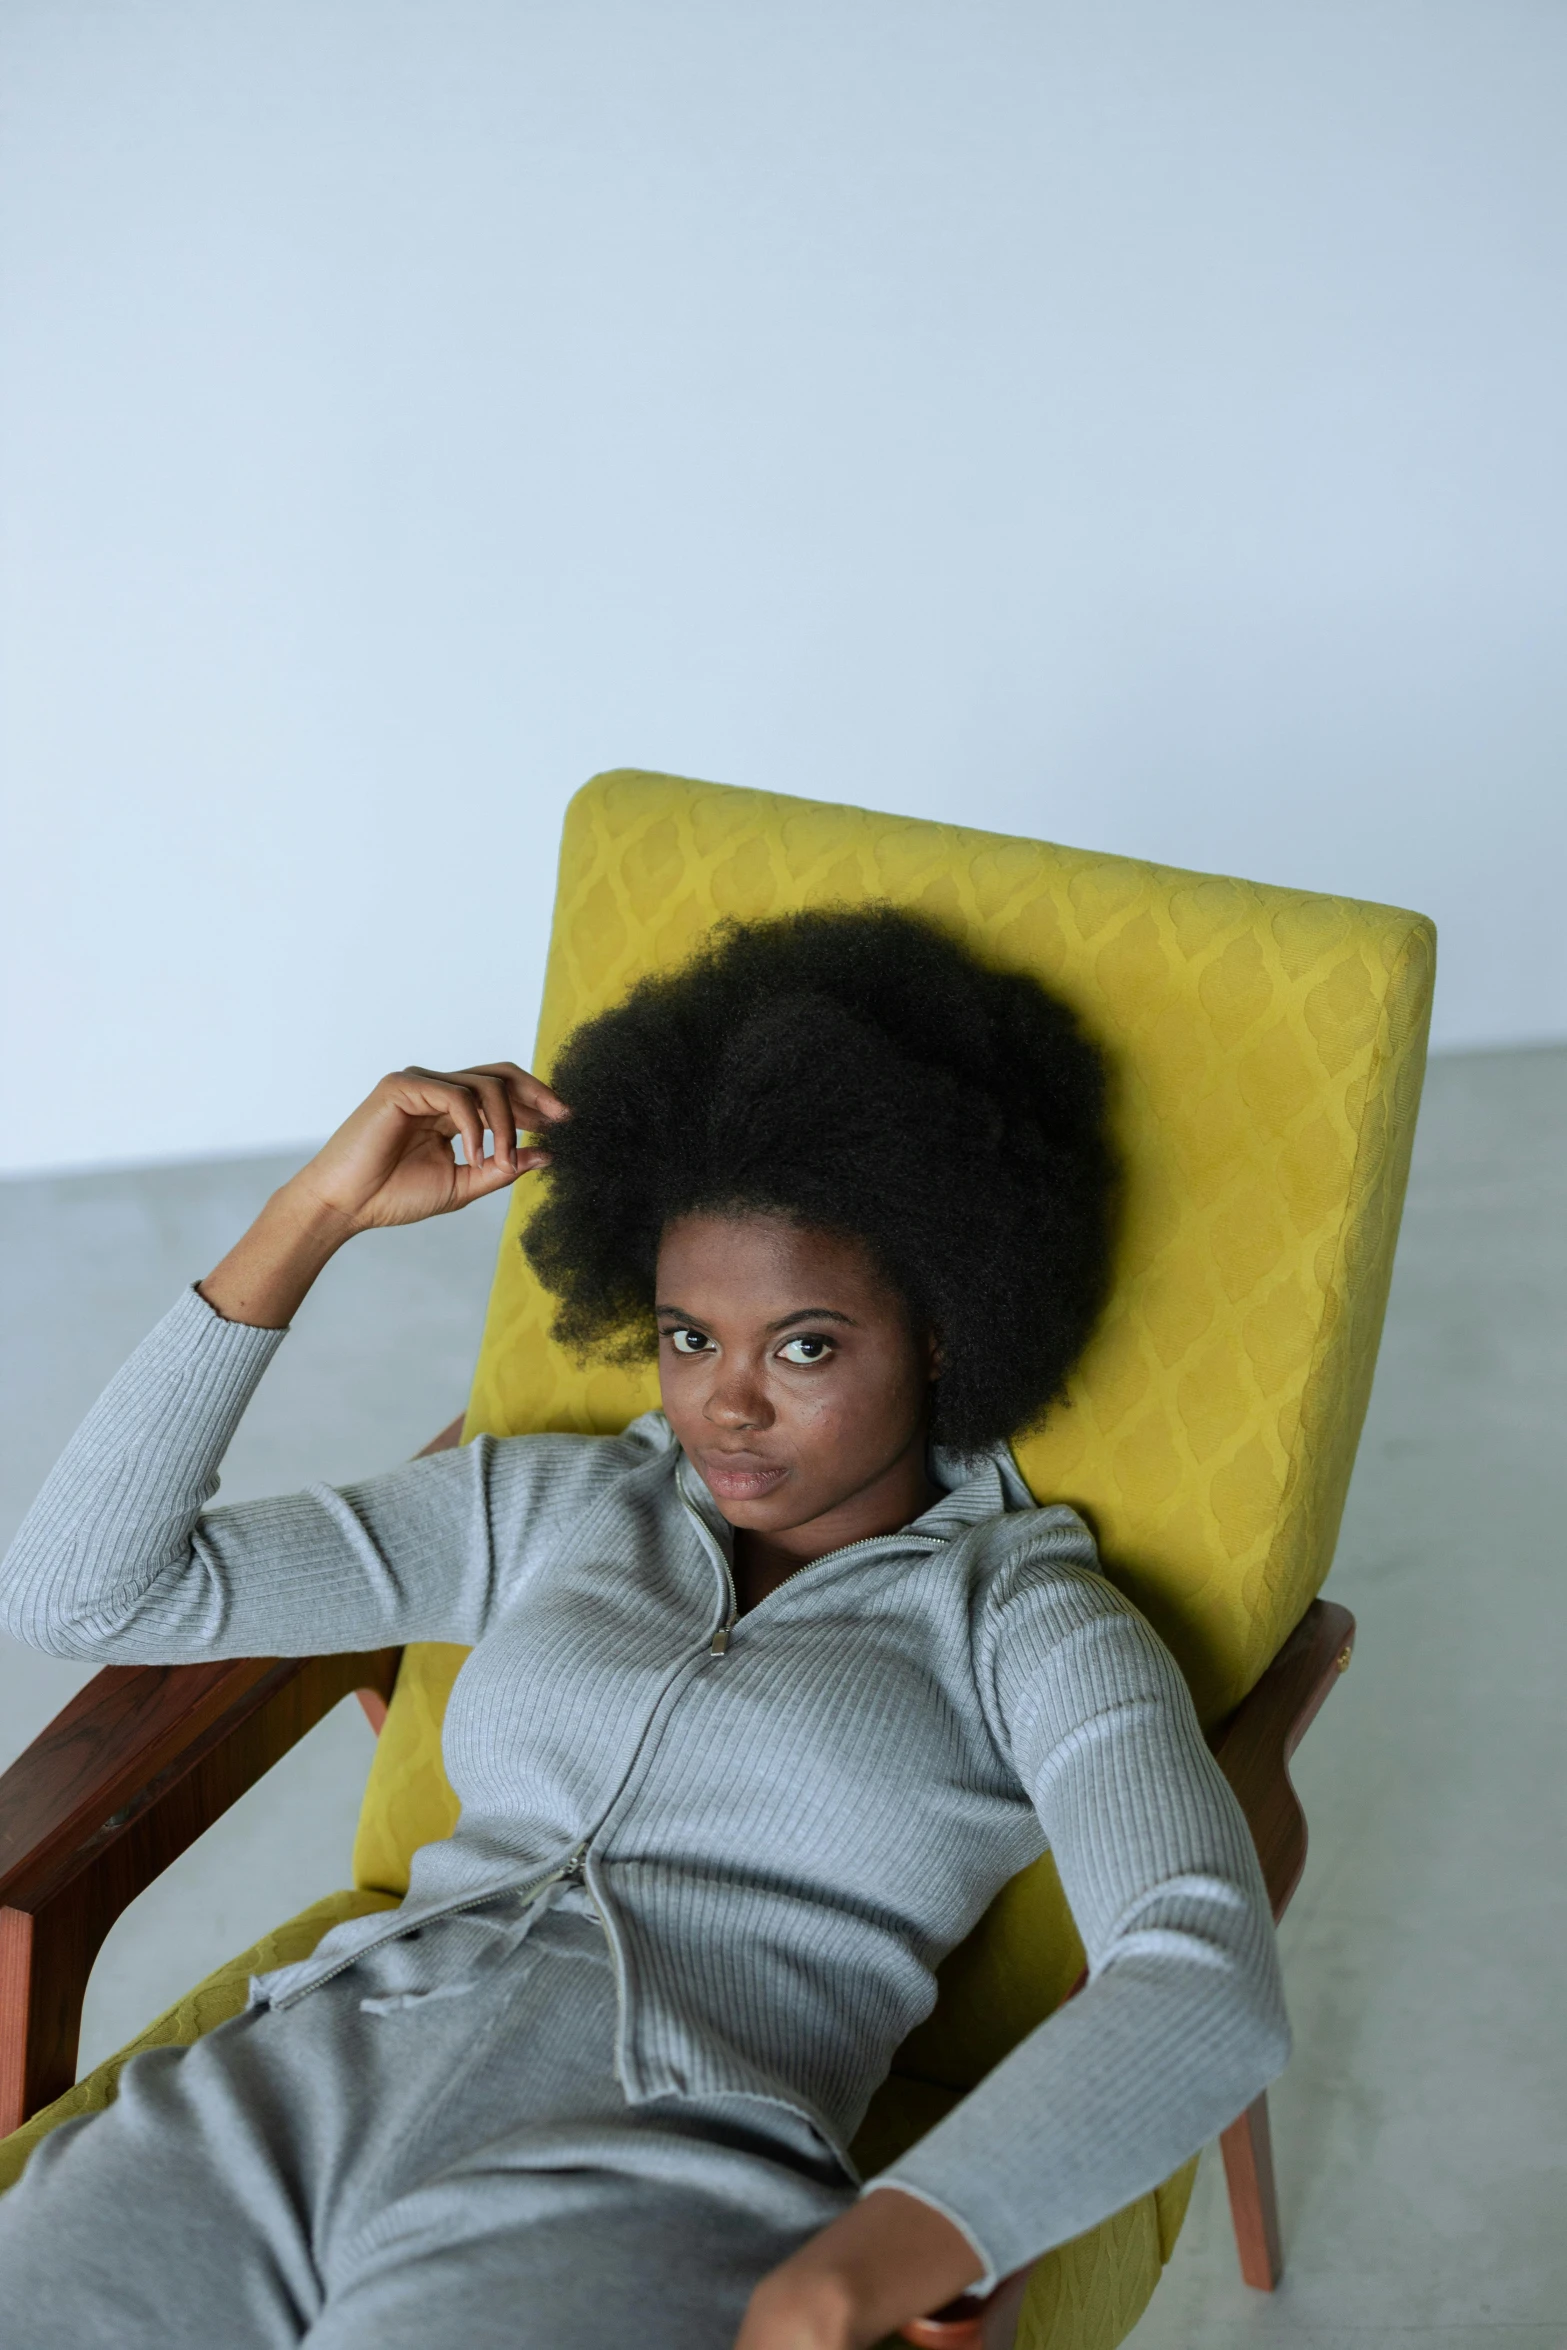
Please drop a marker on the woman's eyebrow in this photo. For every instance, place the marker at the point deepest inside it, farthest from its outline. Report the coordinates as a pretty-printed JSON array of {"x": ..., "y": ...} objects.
[
  {"x": 813, "y": 1314},
  {"x": 800, "y": 1314}
]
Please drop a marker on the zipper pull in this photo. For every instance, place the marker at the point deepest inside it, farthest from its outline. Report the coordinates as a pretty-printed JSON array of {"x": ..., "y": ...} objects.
[{"x": 720, "y": 1641}]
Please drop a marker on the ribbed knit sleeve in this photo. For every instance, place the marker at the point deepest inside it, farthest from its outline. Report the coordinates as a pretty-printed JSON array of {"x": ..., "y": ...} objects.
[
  {"x": 119, "y": 1559},
  {"x": 1181, "y": 2024}
]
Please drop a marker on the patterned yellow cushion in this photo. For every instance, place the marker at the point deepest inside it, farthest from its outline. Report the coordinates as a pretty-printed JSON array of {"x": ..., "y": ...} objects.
[
  {"x": 408, "y": 1798},
  {"x": 1088, "y": 2295},
  {"x": 211, "y": 2003},
  {"x": 1268, "y": 1047}
]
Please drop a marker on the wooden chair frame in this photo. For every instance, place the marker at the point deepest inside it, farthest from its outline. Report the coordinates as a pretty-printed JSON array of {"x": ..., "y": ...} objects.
[{"x": 146, "y": 1757}]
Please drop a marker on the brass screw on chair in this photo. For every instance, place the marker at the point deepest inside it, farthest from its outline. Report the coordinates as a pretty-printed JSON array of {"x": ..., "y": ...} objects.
[{"x": 1342, "y": 1659}]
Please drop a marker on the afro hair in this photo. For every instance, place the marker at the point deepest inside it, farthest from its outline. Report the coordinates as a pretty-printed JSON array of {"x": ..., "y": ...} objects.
[{"x": 856, "y": 1071}]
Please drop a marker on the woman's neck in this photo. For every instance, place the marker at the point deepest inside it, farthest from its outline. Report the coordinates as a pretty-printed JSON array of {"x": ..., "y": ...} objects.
[{"x": 764, "y": 1558}]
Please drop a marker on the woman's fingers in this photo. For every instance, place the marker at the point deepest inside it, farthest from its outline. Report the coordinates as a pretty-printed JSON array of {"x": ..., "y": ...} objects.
[
  {"x": 391, "y": 1161},
  {"x": 495, "y": 1105},
  {"x": 451, "y": 1104},
  {"x": 536, "y": 1104},
  {"x": 497, "y": 1098},
  {"x": 511, "y": 1100},
  {"x": 476, "y": 1182},
  {"x": 470, "y": 1183}
]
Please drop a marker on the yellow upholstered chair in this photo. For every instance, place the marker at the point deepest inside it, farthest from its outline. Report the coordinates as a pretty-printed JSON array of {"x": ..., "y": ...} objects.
[{"x": 1267, "y": 1049}]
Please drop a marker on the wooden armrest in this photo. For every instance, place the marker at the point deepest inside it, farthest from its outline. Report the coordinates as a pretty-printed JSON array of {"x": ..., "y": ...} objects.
[
  {"x": 1253, "y": 1748},
  {"x": 139, "y": 1764}
]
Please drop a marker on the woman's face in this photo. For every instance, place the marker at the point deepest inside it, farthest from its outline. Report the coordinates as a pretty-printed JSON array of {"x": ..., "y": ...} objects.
[{"x": 794, "y": 1379}]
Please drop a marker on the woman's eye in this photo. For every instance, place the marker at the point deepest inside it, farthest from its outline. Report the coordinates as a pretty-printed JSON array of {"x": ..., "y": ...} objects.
[
  {"x": 687, "y": 1342},
  {"x": 806, "y": 1350}
]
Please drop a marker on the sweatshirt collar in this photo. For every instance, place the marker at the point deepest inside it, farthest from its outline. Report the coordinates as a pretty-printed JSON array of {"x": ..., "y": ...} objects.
[{"x": 975, "y": 1486}]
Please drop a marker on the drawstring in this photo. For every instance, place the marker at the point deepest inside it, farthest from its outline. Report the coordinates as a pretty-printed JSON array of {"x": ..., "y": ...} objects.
[{"x": 506, "y": 1935}]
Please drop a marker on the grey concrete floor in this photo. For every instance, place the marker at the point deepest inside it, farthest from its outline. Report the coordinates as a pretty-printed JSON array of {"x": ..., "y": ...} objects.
[{"x": 1421, "y": 2130}]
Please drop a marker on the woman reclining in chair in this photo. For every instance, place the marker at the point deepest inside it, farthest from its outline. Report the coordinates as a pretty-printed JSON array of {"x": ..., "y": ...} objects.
[{"x": 769, "y": 1696}]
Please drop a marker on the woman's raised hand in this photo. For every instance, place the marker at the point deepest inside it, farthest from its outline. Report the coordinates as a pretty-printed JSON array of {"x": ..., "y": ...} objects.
[{"x": 391, "y": 1162}]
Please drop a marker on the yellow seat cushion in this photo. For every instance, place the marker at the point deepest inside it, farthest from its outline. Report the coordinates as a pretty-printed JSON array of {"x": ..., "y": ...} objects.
[
  {"x": 1267, "y": 1047},
  {"x": 408, "y": 1799},
  {"x": 211, "y": 2003}
]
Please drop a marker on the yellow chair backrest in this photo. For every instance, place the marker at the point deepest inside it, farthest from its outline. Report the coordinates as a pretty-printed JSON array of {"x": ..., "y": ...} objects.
[{"x": 1267, "y": 1048}]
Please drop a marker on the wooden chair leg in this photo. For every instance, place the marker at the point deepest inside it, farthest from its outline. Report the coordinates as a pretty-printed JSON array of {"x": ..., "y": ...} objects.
[{"x": 1254, "y": 2202}]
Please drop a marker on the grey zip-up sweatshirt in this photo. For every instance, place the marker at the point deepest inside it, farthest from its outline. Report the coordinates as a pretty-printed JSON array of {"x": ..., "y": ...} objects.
[{"x": 785, "y": 1820}]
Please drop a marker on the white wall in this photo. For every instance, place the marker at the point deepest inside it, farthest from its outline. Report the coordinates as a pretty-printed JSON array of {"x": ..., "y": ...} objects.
[{"x": 1135, "y": 423}]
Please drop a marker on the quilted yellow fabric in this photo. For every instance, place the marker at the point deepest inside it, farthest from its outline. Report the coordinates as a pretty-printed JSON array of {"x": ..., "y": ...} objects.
[
  {"x": 211, "y": 2003},
  {"x": 1268, "y": 1046},
  {"x": 408, "y": 1799},
  {"x": 1088, "y": 2295}
]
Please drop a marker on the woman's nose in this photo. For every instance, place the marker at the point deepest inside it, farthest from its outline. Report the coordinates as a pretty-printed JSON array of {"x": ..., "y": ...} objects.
[{"x": 736, "y": 1401}]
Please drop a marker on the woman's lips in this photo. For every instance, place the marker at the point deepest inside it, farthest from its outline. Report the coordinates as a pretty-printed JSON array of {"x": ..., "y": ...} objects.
[{"x": 741, "y": 1480}]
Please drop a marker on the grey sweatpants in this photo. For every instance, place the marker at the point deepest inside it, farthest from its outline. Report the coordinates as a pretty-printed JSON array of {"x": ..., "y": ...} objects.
[{"x": 452, "y": 2164}]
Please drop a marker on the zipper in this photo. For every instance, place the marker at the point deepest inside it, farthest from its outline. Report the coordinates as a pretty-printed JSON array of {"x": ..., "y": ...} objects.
[
  {"x": 719, "y": 1641},
  {"x": 571, "y": 1871},
  {"x": 867, "y": 1542},
  {"x": 718, "y": 1645},
  {"x": 870, "y": 1542}
]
